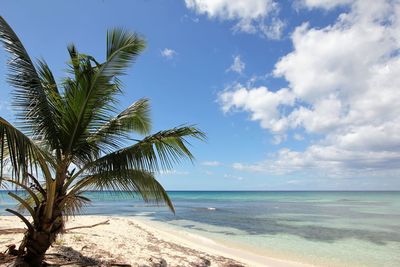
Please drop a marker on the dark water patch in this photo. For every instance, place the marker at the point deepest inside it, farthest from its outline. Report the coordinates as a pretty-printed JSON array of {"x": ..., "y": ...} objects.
[
  {"x": 195, "y": 227},
  {"x": 276, "y": 226}
]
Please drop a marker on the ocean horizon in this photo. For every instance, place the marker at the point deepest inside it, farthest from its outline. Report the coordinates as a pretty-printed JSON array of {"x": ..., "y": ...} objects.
[{"x": 328, "y": 228}]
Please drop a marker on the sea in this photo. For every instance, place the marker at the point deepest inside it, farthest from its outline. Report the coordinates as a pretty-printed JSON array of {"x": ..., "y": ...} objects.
[{"x": 321, "y": 228}]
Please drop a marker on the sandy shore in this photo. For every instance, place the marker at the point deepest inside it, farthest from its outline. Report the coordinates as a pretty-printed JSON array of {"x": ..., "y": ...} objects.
[{"x": 127, "y": 241}]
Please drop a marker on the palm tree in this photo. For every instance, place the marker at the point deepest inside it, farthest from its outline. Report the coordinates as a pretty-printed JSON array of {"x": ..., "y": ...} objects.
[{"x": 72, "y": 139}]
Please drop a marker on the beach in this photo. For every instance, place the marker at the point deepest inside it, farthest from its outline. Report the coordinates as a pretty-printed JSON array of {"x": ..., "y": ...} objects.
[{"x": 124, "y": 241}]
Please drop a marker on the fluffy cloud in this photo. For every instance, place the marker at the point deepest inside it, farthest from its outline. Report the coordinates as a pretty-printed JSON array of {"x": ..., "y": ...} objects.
[
  {"x": 241, "y": 9},
  {"x": 274, "y": 29},
  {"x": 343, "y": 85},
  {"x": 263, "y": 104},
  {"x": 328, "y": 161},
  {"x": 237, "y": 66},
  {"x": 235, "y": 177},
  {"x": 326, "y": 4},
  {"x": 168, "y": 53},
  {"x": 211, "y": 163},
  {"x": 174, "y": 173},
  {"x": 250, "y": 15}
]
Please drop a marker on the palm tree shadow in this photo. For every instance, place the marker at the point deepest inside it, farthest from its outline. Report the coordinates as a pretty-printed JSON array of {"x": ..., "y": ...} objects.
[{"x": 66, "y": 256}]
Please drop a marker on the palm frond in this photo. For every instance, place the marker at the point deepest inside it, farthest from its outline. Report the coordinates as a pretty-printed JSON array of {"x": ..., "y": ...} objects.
[
  {"x": 72, "y": 204},
  {"x": 154, "y": 153},
  {"x": 25, "y": 220},
  {"x": 136, "y": 118},
  {"x": 25, "y": 204},
  {"x": 122, "y": 49},
  {"x": 74, "y": 62},
  {"x": 93, "y": 94},
  {"x": 33, "y": 196},
  {"x": 136, "y": 182},
  {"x": 46, "y": 78},
  {"x": 30, "y": 99},
  {"x": 22, "y": 153}
]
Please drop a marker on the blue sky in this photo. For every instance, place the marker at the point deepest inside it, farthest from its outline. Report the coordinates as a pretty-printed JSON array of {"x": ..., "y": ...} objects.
[{"x": 293, "y": 95}]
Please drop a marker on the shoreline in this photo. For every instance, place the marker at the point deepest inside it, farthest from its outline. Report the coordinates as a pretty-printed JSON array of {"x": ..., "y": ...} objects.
[
  {"x": 212, "y": 246},
  {"x": 156, "y": 244}
]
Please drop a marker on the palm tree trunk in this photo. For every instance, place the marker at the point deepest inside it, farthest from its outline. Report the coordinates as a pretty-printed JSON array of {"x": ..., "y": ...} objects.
[
  {"x": 36, "y": 245},
  {"x": 36, "y": 242}
]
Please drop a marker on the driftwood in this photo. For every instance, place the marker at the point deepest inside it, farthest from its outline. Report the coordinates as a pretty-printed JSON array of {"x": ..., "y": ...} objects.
[
  {"x": 10, "y": 231},
  {"x": 88, "y": 226}
]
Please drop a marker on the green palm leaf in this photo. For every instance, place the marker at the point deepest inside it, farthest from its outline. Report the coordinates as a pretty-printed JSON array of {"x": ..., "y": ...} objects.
[
  {"x": 122, "y": 49},
  {"x": 153, "y": 153},
  {"x": 73, "y": 203},
  {"x": 35, "y": 112},
  {"x": 90, "y": 99},
  {"x": 22, "y": 153},
  {"x": 47, "y": 79},
  {"x": 115, "y": 132},
  {"x": 135, "y": 182}
]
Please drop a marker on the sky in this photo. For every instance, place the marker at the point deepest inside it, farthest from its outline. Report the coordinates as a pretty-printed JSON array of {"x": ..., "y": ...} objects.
[{"x": 293, "y": 95}]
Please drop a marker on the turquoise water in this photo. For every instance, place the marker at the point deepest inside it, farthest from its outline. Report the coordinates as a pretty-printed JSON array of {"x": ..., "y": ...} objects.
[{"x": 325, "y": 228}]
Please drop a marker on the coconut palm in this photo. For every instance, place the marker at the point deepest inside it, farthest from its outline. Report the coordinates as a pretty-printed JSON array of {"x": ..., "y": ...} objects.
[{"x": 72, "y": 139}]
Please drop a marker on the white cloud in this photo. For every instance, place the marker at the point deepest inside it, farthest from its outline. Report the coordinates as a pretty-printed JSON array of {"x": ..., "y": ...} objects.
[
  {"x": 235, "y": 177},
  {"x": 225, "y": 9},
  {"x": 343, "y": 86},
  {"x": 237, "y": 66},
  {"x": 327, "y": 161},
  {"x": 211, "y": 163},
  {"x": 250, "y": 15},
  {"x": 273, "y": 30},
  {"x": 168, "y": 53},
  {"x": 279, "y": 138},
  {"x": 298, "y": 137},
  {"x": 294, "y": 182},
  {"x": 263, "y": 104},
  {"x": 188, "y": 18},
  {"x": 326, "y": 4},
  {"x": 174, "y": 173}
]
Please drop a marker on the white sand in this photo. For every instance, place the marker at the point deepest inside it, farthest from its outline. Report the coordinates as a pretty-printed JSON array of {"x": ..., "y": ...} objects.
[{"x": 130, "y": 240}]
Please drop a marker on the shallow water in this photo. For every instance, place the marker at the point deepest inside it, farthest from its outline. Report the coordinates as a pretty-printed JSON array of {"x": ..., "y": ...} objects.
[{"x": 327, "y": 228}]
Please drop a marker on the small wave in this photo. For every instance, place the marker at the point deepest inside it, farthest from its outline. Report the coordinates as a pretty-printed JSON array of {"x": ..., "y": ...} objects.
[
  {"x": 146, "y": 205},
  {"x": 207, "y": 208},
  {"x": 145, "y": 213}
]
